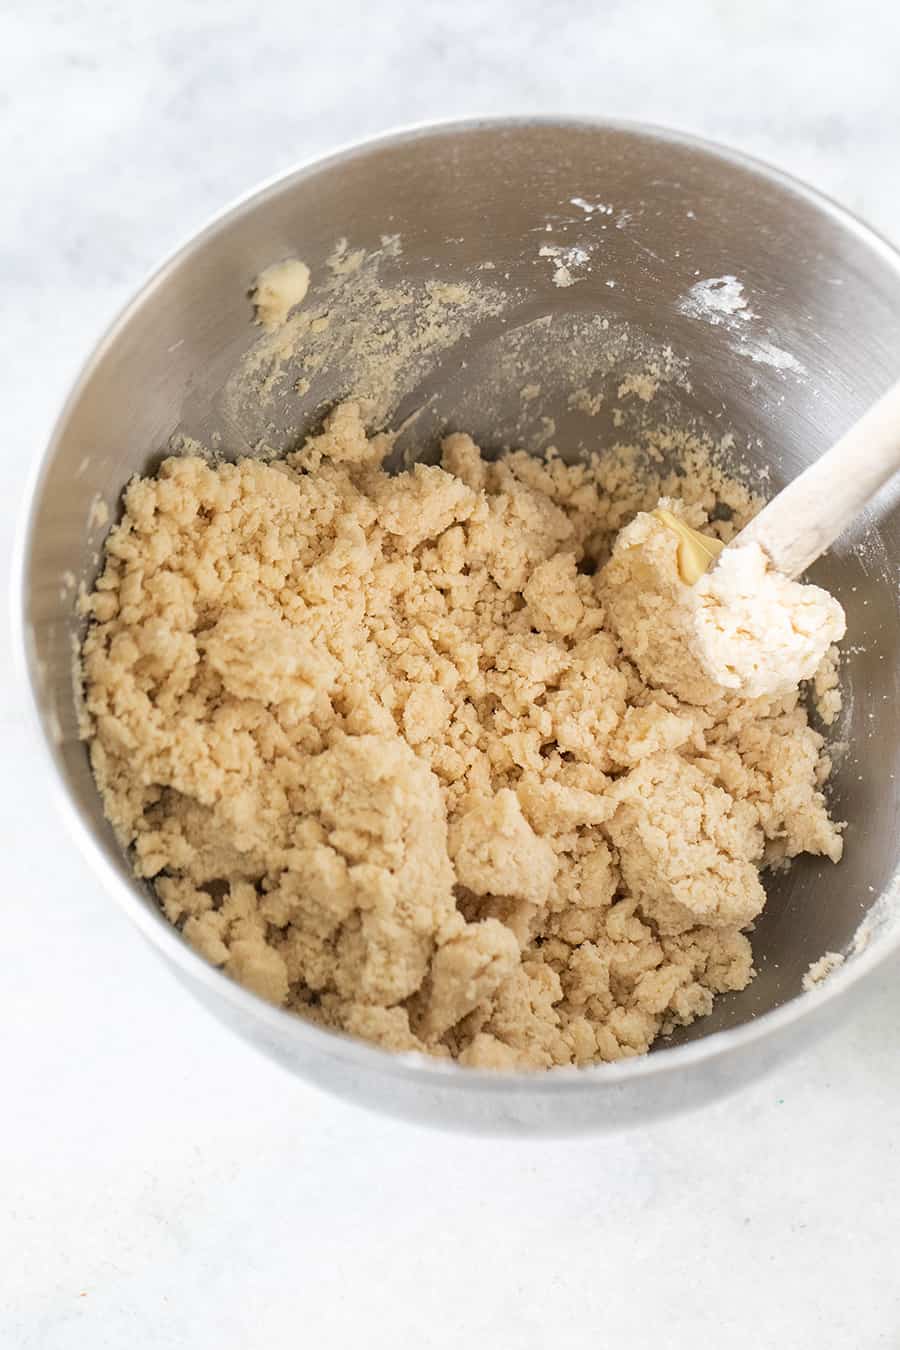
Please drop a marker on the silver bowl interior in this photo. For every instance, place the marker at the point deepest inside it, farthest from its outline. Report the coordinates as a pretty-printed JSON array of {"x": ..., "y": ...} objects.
[{"x": 638, "y": 218}]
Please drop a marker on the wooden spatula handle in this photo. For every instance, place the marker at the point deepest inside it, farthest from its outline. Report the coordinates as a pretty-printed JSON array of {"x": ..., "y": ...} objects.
[{"x": 809, "y": 514}]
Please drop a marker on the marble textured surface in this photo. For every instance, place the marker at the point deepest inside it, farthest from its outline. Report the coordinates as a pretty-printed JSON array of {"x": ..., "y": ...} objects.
[{"x": 162, "y": 1185}]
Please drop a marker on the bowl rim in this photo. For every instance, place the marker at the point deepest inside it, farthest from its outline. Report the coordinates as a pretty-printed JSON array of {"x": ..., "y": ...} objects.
[{"x": 351, "y": 1051}]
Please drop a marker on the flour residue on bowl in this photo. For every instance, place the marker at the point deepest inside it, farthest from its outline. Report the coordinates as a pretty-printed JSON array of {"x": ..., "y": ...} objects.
[
  {"x": 590, "y": 208},
  {"x": 717, "y": 300},
  {"x": 765, "y": 353},
  {"x": 566, "y": 260},
  {"x": 721, "y": 301}
]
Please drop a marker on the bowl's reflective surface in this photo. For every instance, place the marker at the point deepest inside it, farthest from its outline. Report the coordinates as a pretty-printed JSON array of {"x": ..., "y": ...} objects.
[{"x": 815, "y": 340}]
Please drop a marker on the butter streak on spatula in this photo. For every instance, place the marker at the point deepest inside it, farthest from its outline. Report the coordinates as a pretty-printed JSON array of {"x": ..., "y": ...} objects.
[{"x": 696, "y": 552}]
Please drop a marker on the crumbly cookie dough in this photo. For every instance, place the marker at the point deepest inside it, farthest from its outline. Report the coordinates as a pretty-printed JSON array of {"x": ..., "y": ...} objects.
[{"x": 412, "y": 756}]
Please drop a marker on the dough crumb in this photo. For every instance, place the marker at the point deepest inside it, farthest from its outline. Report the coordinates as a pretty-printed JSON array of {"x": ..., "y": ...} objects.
[
  {"x": 820, "y": 970},
  {"x": 277, "y": 290},
  {"x": 643, "y": 386},
  {"x": 424, "y": 759}
]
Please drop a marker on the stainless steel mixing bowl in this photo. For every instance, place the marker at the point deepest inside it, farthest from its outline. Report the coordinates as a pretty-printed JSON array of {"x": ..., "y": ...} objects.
[{"x": 639, "y": 217}]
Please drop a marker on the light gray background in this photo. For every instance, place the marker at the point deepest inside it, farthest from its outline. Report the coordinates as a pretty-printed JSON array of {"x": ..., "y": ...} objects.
[{"x": 160, "y": 1184}]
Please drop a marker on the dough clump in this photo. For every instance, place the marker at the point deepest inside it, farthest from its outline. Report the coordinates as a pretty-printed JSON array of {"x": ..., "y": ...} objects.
[
  {"x": 277, "y": 290},
  {"x": 757, "y": 630},
  {"x": 415, "y": 757},
  {"x": 740, "y": 625}
]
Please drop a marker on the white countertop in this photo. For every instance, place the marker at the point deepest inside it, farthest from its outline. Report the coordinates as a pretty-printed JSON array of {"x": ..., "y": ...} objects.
[{"x": 163, "y": 1185}]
